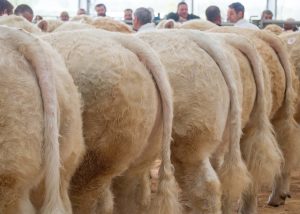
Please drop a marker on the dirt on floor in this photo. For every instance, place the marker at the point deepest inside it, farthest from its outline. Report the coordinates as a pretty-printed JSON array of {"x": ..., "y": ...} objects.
[{"x": 292, "y": 205}]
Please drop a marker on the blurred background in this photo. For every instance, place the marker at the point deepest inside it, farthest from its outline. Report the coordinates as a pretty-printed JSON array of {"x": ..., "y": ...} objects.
[{"x": 115, "y": 8}]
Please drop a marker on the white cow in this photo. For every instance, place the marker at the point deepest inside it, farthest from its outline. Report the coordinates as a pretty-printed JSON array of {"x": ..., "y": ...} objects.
[
  {"x": 110, "y": 24},
  {"x": 282, "y": 112},
  {"x": 197, "y": 24},
  {"x": 67, "y": 26},
  {"x": 127, "y": 121},
  {"x": 291, "y": 151},
  {"x": 19, "y": 22},
  {"x": 207, "y": 116},
  {"x": 38, "y": 103}
]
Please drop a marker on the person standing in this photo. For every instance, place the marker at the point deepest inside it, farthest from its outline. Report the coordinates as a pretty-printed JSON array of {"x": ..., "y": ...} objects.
[
  {"x": 81, "y": 11},
  {"x": 6, "y": 8},
  {"x": 142, "y": 20},
  {"x": 25, "y": 11},
  {"x": 64, "y": 16},
  {"x": 235, "y": 14},
  {"x": 213, "y": 15},
  {"x": 289, "y": 25},
  {"x": 128, "y": 16},
  {"x": 182, "y": 14},
  {"x": 266, "y": 15},
  {"x": 100, "y": 9}
]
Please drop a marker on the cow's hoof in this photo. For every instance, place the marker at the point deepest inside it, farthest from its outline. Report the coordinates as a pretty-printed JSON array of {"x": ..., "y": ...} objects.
[{"x": 279, "y": 200}]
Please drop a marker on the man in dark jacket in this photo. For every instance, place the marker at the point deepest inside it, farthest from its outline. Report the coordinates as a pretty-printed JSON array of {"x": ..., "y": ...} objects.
[
  {"x": 6, "y": 8},
  {"x": 182, "y": 13}
]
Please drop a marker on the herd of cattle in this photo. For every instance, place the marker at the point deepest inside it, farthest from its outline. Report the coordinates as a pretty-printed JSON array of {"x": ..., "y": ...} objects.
[{"x": 84, "y": 113}]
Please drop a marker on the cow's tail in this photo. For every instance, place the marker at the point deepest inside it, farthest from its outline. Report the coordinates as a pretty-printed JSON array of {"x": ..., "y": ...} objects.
[
  {"x": 166, "y": 200},
  {"x": 287, "y": 129},
  {"x": 259, "y": 146},
  {"x": 233, "y": 173},
  {"x": 33, "y": 49}
]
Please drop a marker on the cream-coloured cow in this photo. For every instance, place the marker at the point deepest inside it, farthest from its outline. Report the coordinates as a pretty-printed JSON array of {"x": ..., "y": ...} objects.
[
  {"x": 110, "y": 24},
  {"x": 292, "y": 152},
  {"x": 277, "y": 66},
  {"x": 50, "y": 25},
  {"x": 258, "y": 131},
  {"x": 292, "y": 41},
  {"x": 169, "y": 24},
  {"x": 127, "y": 119},
  {"x": 39, "y": 102},
  {"x": 206, "y": 116},
  {"x": 82, "y": 19},
  {"x": 19, "y": 22},
  {"x": 274, "y": 29},
  {"x": 197, "y": 24},
  {"x": 67, "y": 26}
]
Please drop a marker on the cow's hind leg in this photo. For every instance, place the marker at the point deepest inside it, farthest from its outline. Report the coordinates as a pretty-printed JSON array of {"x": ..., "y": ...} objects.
[
  {"x": 288, "y": 136},
  {"x": 13, "y": 197},
  {"x": 25, "y": 203},
  {"x": 8, "y": 194},
  {"x": 249, "y": 201},
  {"x": 132, "y": 192},
  {"x": 200, "y": 186},
  {"x": 70, "y": 163},
  {"x": 94, "y": 196}
]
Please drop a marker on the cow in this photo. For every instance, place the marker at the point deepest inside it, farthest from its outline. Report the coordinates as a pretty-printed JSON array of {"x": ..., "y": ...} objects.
[
  {"x": 291, "y": 41},
  {"x": 207, "y": 115},
  {"x": 49, "y": 25},
  {"x": 169, "y": 24},
  {"x": 258, "y": 133},
  {"x": 19, "y": 22},
  {"x": 274, "y": 28},
  {"x": 73, "y": 26},
  {"x": 82, "y": 19},
  {"x": 277, "y": 65},
  {"x": 41, "y": 140},
  {"x": 198, "y": 24},
  {"x": 111, "y": 25},
  {"x": 282, "y": 188},
  {"x": 127, "y": 121}
]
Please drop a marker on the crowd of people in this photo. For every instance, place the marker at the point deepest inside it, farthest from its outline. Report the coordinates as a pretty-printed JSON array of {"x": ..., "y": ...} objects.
[{"x": 145, "y": 16}]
